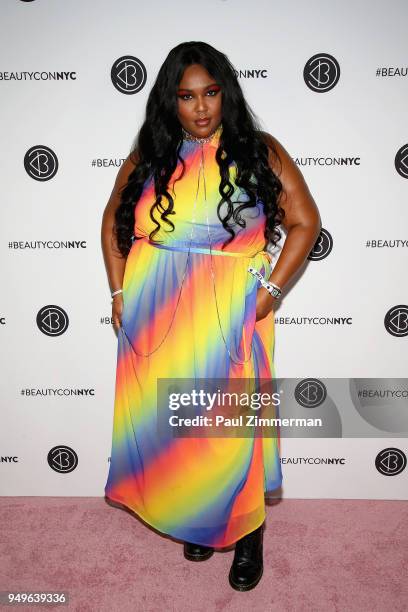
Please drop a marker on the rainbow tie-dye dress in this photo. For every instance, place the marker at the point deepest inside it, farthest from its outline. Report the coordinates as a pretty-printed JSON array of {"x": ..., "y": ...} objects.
[{"x": 189, "y": 315}]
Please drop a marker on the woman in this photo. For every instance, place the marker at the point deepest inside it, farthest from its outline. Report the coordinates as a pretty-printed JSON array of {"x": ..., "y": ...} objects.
[{"x": 192, "y": 211}]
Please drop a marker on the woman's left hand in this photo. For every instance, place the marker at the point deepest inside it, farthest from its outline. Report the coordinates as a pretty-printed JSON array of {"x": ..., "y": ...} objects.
[{"x": 265, "y": 303}]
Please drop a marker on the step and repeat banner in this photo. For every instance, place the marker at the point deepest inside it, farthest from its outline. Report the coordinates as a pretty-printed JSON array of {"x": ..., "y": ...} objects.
[{"x": 330, "y": 83}]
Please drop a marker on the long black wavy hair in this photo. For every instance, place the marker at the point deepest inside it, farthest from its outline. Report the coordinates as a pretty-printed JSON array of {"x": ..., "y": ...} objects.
[{"x": 156, "y": 149}]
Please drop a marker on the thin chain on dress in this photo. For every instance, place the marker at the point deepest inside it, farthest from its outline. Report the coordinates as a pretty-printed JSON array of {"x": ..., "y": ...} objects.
[
  {"x": 201, "y": 169},
  {"x": 184, "y": 275},
  {"x": 212, "y": 271}
]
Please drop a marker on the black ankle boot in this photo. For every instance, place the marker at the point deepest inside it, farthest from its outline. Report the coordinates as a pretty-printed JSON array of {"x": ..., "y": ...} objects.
[
  {"x": 247, "y": 567},
  {"x": 197, "y": 552}
]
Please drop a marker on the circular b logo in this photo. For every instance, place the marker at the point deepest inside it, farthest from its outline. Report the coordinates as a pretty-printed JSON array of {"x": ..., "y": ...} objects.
[
  {"x": 321, "y": 72},
  {"x": 62, "y": 459},
  {"x": 390, "y": 461},
  {"x": 52, "y": 320},
  {"x": 401, "y": 161},
  {"x": 322, "y": 247},
  {"x": 41, "y": 163},
  {"x": 396, "y": 320},
  {"x": 128, "y": 74},
  {"x": 310, "y": 393}
]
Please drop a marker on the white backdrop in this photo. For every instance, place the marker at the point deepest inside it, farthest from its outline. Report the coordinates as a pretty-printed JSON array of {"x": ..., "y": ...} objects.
[{"x": 329, "y": 80}]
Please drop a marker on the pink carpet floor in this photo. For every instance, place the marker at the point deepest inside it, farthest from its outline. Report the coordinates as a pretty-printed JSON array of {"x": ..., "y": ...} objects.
[{"x": 319, "y": 555}]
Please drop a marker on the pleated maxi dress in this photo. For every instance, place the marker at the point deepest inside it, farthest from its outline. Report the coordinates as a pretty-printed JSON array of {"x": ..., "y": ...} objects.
[{"x": 189, "y": 314}]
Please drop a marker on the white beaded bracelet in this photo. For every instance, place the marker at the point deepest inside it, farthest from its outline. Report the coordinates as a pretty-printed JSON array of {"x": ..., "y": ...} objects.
[
  {"x": 273, "y": 289},
  {"x": 116, "y": 292}
]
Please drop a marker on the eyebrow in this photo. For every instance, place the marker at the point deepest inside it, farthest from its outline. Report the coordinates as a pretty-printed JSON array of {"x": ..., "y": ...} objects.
[{"x": 206, "y": 87}]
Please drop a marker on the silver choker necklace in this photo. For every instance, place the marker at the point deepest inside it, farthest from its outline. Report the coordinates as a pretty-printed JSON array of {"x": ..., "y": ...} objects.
[{"x": 191, "y": 138}]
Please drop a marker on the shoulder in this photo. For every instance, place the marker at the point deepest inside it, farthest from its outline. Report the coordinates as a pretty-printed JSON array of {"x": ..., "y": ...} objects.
[
  {"x": 129, "y": 164},
  {"x": 279, "y": 158},
  {"x": 297, "y": 201},
  {"x": 122, "y": 177},
  {"x": 133, "y": 157},
  {"x": 127, "y": 167},
  {"x": 282, "y": 163}
]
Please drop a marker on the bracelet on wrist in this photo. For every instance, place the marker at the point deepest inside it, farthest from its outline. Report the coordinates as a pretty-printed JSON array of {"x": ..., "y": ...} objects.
[
  {"x": 273, "y": 289},
  {"x": 116, "y": 292}
]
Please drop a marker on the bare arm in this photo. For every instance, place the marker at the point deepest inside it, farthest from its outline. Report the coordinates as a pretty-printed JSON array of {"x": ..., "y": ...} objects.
[
  {"x": 114, "y": 261},
  {"x": 302, "y": 221}
]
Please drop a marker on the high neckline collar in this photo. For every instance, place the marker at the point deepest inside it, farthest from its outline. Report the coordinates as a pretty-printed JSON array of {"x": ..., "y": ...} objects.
[{"x": 212, "y": 140}]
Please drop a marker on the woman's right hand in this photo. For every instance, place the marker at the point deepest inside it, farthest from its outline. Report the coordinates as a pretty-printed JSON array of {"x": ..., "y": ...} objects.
[{"x": 117, "y": 309}]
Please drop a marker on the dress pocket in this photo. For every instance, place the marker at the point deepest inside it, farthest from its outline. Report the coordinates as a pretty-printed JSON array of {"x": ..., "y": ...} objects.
[{"x": 244, "y": 321}]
